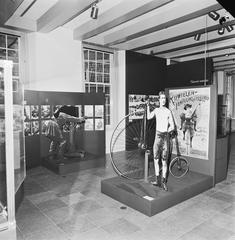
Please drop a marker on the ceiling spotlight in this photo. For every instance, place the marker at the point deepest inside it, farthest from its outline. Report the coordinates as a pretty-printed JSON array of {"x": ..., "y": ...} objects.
[
  {"x": 229, "y": 28},
  {"x": 221, "y": 31},
  {"x": 214, "y": 15},
  {"x": 94, "y": 11},
  {"x": 222, "y": 20},
  {"x": 197, "y": 37}
]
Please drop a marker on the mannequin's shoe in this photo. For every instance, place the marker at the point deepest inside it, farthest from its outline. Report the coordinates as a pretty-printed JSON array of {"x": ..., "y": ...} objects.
[
  {"x": 164, "y": 186},
  {"x": 157, "y": 182}
]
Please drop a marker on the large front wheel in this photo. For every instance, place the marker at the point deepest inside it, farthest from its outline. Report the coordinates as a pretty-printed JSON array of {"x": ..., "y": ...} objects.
[{"x": 131, "y": 138}]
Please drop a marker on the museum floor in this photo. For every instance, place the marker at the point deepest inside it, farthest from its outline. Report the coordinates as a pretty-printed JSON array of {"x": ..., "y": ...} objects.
[{"x": 72, "y": 207}]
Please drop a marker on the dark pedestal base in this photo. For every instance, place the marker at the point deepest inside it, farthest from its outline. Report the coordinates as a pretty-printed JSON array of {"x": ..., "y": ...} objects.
[
  {"x": 68, "y": 165},
  {"x": 151, "y": 200}
]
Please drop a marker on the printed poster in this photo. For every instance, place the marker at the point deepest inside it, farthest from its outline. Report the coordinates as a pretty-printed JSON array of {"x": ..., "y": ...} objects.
[
  {"x": 137, "y": 105},
  {"x": 191, "y": 112}
]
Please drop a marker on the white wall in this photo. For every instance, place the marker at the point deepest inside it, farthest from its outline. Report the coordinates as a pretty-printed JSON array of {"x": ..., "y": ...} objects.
[{"x": 54, "y": 61}]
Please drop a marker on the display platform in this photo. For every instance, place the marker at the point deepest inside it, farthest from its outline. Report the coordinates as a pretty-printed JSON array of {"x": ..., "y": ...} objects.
[
  {"x": 68, "y": 165},
  {"x": 151, "y": 200}
]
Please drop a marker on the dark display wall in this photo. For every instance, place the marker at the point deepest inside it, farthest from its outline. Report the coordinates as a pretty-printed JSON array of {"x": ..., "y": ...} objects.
[
  {"x": 39, "y": 107},
  {"x": 144, "y": 74},
  {"x": 190, "y": 73},
  {"x": 148, "y": 74}
]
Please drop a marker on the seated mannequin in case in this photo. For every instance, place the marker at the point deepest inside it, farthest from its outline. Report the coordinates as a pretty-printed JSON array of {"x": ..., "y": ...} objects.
[{"x": 65, "y": 115}]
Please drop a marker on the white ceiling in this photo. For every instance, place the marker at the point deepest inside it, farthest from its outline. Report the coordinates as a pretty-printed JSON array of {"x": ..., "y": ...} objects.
[{"x": 164, "y": 28}]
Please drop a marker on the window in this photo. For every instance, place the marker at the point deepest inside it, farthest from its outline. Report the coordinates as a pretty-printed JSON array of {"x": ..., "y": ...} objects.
[
  {"x": 97, "y": 75},
  {"x": 9, "y": 50}
]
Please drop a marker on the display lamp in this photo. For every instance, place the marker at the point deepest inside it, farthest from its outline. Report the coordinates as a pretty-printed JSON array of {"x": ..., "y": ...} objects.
[
  {"x": 222, "y": 20},
  {"x": 197, "y": 37},
  {"x": 221, "y": 31},
  {"x": 94, "y": 11},
  {"x": 214, "y": 15},
  {"x": 229, "y": 28}
]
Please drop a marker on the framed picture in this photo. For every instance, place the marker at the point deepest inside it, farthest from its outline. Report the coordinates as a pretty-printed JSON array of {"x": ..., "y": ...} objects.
[
  {"x": 89, "y": 125},
  {"x": 34, "y": 109},
  {"x": 45, "y": 111},
  {"x": 88, "y": 111},
  {"x": 99, "y": 124},
  {"x": 137, "y": 103},
  {"x": 99, "y": 111}
]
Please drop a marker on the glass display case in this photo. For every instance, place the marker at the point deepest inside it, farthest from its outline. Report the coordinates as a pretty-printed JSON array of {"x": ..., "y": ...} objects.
[{"x": 12, "y": 149}]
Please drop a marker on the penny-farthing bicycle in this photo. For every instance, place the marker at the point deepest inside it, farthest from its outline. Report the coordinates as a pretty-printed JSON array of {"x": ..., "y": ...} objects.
[{"x": 129, "y": 142}]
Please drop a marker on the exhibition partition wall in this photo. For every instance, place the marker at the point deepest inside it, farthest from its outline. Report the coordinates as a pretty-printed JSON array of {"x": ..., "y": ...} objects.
[{"x": 85, "y": 143}]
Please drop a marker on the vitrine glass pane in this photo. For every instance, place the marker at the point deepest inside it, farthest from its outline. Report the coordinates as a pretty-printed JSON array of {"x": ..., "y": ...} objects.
[
  {"x": 3, "y": 186},
  {"x": 19, "y": 148}
]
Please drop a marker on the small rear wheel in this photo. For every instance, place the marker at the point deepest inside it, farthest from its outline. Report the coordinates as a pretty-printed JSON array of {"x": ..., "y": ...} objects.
[{"x": 179, "y": 167}]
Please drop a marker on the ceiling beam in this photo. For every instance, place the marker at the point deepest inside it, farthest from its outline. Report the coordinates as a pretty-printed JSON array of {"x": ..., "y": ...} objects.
[
  {"x": 7, "y": 8},
  {"x": 62, "y": 12},
  {"x": 23, "y": 24},
  {"x": 224, "y": 63},
  {"x": 224, "y": 53},
  {"x": 180, "y": 13},
  {"x": 182, "y": 36},
  {"x": 202, "y": 43},
  {"x": 196, "y": 52},
  {"x": 187, "y": 29},
  {"x": 224, "y": 68},
  {"x": 104, "y": 23},
  {"x": 224, "y": 58}
]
